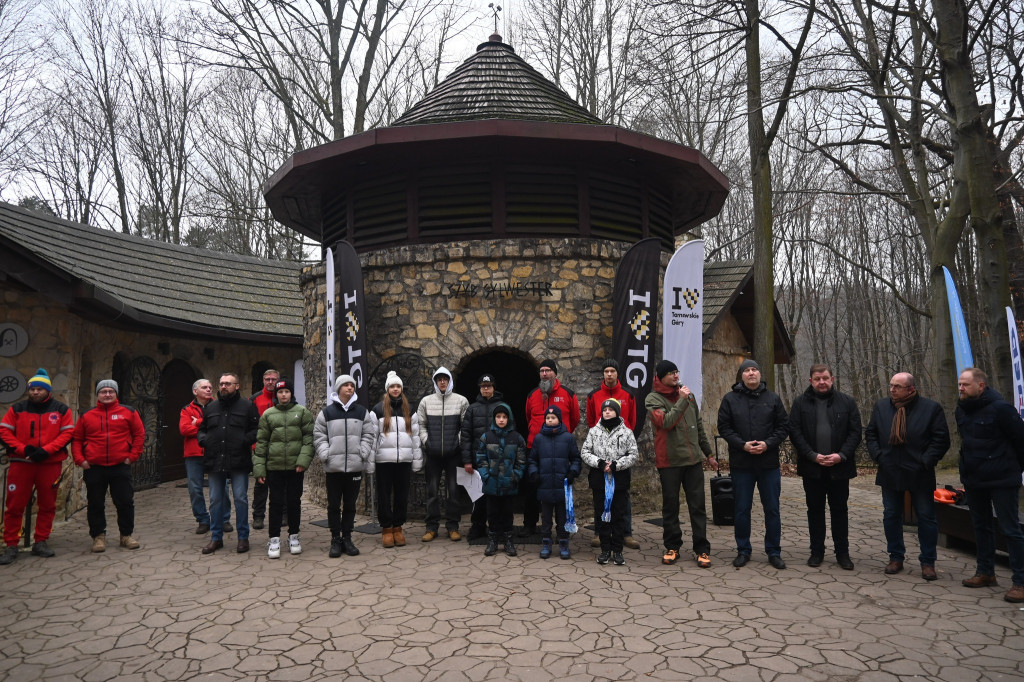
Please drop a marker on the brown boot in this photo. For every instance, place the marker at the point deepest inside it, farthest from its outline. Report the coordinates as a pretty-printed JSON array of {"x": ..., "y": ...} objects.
[
  {"x": 99, "y": 543},
  {"x": 1015, "y": 595},
  {"x": 387, "y": 537},
  {"x": 399, "y": 536},
  {"x": 980, "y": 580}
]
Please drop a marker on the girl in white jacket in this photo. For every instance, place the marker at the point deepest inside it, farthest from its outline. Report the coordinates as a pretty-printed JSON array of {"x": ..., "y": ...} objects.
[{"x": 396, "y": 456}]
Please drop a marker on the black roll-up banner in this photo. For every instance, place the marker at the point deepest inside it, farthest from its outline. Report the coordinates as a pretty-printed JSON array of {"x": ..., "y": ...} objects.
[
  {"x": 635, "y": 321},
  {"x": 350, "y": 322}
]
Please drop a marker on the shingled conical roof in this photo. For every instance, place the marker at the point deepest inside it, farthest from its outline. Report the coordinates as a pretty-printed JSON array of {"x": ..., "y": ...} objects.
[{"x": 495, "y": 83}]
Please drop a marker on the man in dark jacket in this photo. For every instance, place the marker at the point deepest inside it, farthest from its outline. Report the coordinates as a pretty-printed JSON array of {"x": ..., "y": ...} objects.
[
  {"x": 991, "y": 460},
  {"x": 475, "y": 423},
  {"x": 907, "y": 436},
  {"x": 440, "y": 416},
  {"x": 824, "y": 426},
  {"x": 227, "y": 434},
  {"x": 754, "y": 423}
]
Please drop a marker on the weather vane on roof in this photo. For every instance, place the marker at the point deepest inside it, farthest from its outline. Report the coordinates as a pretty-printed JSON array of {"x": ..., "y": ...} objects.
[{"x": 495, "y": 9}]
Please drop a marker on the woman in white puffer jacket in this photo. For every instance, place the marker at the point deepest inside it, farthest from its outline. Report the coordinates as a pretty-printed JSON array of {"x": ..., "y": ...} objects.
[{"x": 397, "y": 454}]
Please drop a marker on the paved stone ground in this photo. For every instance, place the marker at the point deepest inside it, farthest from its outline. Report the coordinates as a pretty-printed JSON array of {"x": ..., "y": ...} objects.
[{"x": 442, "y": 611}]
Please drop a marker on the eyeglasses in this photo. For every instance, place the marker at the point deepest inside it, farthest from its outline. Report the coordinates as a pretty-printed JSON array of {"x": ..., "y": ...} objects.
[
  {"x": 229, "y": 383},
  {"x": 899, "y": 386}
]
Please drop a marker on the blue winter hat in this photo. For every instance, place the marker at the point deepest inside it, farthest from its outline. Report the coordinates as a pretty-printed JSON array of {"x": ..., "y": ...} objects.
[{"x": 41, "y": 380}]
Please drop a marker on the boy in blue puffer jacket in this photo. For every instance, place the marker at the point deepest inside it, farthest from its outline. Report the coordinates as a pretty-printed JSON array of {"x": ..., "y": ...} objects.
[
  {"x": 501, "y": 463},
  {"x": 554, "y": 458}
]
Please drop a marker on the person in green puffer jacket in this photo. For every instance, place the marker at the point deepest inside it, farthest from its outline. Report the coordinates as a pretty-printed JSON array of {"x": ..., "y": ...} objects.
[{"x": 284, "y": 450}]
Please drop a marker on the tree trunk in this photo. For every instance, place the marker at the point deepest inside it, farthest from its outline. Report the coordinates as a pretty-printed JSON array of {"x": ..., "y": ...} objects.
[
  {"x": 761, "y": 188},
  {"x": 976, "y": 168}
]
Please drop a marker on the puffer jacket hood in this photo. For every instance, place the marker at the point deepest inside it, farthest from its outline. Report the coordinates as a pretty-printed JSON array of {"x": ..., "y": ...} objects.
[
  {"x": 451, "y": 382},
  {"x": 511, "y": 418}
]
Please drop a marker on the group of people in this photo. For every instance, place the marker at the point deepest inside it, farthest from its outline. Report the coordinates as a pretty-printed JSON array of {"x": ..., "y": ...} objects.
[
  {"x": 906, "y": 437},
  {"x": 274, "y": 439}
]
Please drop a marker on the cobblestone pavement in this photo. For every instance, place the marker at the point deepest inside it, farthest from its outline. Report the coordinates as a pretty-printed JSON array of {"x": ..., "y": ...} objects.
[{"x": 442, "y": 611}]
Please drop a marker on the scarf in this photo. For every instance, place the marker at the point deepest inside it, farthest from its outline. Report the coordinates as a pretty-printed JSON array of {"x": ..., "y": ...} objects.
[{"x": 898, "y": 434}]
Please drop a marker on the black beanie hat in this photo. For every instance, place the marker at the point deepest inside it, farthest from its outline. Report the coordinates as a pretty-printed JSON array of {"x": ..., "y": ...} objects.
[
  {"x": 664, "y": 367},
  {"x": 550, "y": 364},
  {"x": 555, "y": 410},
  {"x": 614, "y": 404},
  {"x": 284, "y": 382},
  {"x": 610, "y": 362},
  {"x": 746, "y": 364}
]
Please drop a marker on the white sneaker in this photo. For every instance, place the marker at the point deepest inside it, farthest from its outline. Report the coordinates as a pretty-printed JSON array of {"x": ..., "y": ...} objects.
[
  {"x": 274, "y": 548},
  {"x": 293, "y": 544}
]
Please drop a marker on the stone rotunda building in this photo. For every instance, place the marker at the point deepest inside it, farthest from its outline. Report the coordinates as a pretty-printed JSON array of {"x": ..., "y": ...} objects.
[{"x": 489, "y": 220}]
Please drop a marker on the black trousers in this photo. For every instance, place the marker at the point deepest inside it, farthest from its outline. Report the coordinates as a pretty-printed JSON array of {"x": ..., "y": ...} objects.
[
  {"x": 818, "y": 491},
  {"x": 613, "y": 532},
  {"x": 118, "y": 479},
  {"x": 499, "y": 512},
  {"x": 547, "y": 510},
  {"x": 691, "y": 480},
  {"x": 393, "y": 481},
  {"x": 285, "y": 489},
  {"x": 433, "y": 467},
  {"x": 480, "y": 514},
  {"x": 342, "y": 488}
]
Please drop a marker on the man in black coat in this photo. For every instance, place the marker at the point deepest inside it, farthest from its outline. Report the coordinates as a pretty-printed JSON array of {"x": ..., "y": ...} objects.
[
  {"x": 475, "y": 422},
  {"x": 227, "y": 435},
  {"x": 754, "y": 423},
  {"x": 991, "y": 460},
  {"x": 824, "y": 426},
  {"x": 906, "y": 437}
]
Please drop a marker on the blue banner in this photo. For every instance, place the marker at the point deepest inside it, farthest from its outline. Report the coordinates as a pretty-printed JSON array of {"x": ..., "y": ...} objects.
[{"x": 961, "y": 344}]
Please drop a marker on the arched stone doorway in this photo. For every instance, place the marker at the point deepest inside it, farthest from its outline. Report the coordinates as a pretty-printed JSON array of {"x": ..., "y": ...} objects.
[
  {"x": 176, "y": 390},
  {"x": 515, "y": 375}
]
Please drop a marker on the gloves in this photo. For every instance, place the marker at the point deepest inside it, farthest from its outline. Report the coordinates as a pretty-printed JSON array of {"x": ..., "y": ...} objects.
[
  {"x": 613, "y": 467},
  {"x": 36, "y": 453},
  {"x": 601, "y": 464},
  {"x": 571, "y": 477}
]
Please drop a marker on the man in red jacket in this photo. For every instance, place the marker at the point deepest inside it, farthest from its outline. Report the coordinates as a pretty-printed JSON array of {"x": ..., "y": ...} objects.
[
  {"x": 263, "y": 401},
  {"x": 36, "y": 432},
  {"x": 611, "y": 389},
  {"x": 549, "y": 392},
  {"x": 108, "y": 438}
]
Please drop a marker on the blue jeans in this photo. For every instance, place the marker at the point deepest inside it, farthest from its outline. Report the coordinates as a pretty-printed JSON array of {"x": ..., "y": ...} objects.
[
  {"x": 218, "y": 501},
  {"x": 194, "y": 472},
  {"x": 769, "y": 485},
  {"x": 927, "y": 526},
  {"x": 1004, "y": 500}
]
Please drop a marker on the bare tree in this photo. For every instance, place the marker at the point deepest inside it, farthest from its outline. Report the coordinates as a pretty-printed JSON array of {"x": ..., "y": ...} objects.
[{"x": 19, "y": 50}]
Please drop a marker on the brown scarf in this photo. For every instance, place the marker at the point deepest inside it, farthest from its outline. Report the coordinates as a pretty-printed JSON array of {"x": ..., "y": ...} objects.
[{"x": 898, "y": 434}]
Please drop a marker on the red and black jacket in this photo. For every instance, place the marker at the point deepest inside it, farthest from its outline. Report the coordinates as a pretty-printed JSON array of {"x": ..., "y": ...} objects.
[
  {"x": 47, "y": 425},
  {"x": 190, "y": 431},
  {"x": 108, "y": 435}
]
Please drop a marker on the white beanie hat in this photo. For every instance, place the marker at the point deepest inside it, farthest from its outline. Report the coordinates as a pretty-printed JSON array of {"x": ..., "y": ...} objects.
[
  {"x": 342, "y": 380},
  {"x": 393, "y": 379}
]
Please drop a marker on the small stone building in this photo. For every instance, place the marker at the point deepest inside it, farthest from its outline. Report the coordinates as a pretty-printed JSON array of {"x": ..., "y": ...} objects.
[
  {"x": 489, "y": 220},
  {"x": 88, "y": 304}
]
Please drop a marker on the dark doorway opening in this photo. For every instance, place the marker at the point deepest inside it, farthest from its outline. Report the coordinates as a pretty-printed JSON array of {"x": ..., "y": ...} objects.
[
  {"x": 176, "y": 388},
  {"x": 515, "y": 375}
]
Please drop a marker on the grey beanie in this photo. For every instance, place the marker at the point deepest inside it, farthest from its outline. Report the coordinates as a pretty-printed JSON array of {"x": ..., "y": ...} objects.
[
  {"x": 746, "y": 364},
  {"x": 106, "y": 383}
]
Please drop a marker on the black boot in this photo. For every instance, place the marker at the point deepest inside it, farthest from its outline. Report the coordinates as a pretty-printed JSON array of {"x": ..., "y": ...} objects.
[
  {"x": 336, "y": 547},
  {"x": 348, "y": 546},
  {"x": 510, "y": 547},
  {"x": 492, "y": 545}
]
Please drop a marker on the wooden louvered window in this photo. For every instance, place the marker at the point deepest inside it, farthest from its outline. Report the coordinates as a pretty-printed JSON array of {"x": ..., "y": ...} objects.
[{"x": 541, "y": 201}]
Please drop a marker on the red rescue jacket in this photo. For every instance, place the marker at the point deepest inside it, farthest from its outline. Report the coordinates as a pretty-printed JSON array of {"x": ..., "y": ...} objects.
[
  {"x": 190, "y": 431},
  {"x": 617, "y": 392},
  {"x": 107, "y": 435},
  {"x": 47, "y": 425},
  {"x": 561, "y": 397}
]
